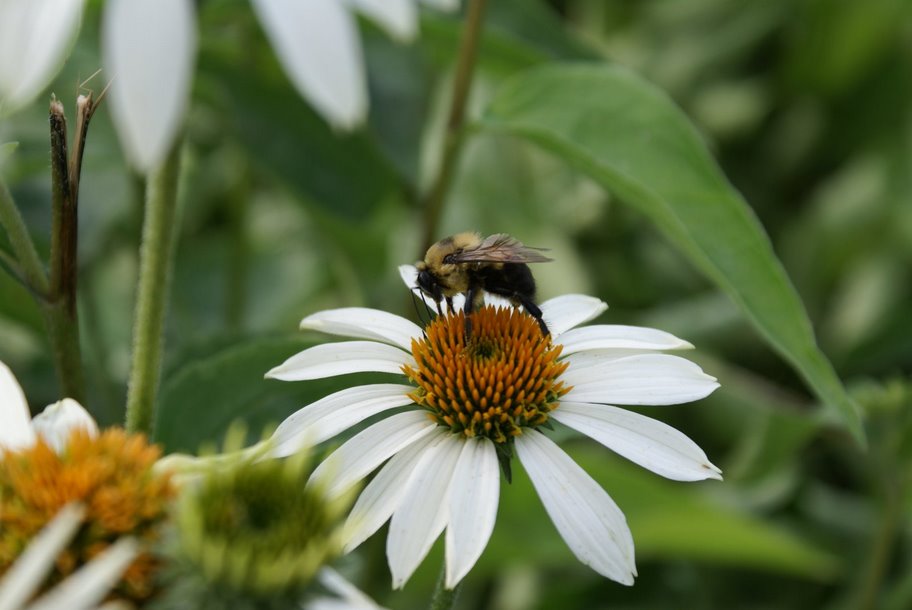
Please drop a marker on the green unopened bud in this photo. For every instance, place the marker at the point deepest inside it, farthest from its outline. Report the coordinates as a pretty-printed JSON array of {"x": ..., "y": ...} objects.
[{"x": 251, "y": 529}]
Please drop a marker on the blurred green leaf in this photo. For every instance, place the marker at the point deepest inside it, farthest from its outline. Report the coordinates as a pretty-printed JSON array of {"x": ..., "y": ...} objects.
[
  {"x": 536, "y": 24},
  {"x": 517, "y": 35},
  {"x": 669, "y": 520},
  {"x": 344, "y": 174},
  {"x": 632, "y": 139},
  {"x": 209, "y": 391},
  {"x": 6, "y": 150},
  {"x": 866, "y": 33}
]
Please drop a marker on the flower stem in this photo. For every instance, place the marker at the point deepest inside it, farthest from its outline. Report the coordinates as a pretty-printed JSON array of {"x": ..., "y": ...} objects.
[
  {"x": 443, "y": 598},
  {"x": 29, "y": 263},
  {"x": 452, "y": 139},
  {"x": 155, "y": 263},
  {"x": 884, "y": 540}
]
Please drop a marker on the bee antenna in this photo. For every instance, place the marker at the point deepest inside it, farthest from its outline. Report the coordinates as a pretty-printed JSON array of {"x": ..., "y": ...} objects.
[{"x": 418, "y": 311}]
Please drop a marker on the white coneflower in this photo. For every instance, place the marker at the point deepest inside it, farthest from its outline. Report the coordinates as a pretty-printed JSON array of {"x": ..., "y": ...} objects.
[
  {"x": 61, "y": 458},
  {"x": 80, "y": 591},
  {"x": 150, "y": 45},
  {"x": 35, "y": 37},
  {"x": 54, "y": 425},
  {"x": 474, "y": 404}
]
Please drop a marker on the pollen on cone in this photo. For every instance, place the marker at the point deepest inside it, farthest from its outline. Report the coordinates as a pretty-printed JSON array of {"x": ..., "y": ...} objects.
[{"x": 501, "y": 378}]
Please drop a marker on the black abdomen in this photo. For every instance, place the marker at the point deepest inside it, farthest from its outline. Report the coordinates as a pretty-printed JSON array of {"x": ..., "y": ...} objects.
[{"x": 511, "y": 281}]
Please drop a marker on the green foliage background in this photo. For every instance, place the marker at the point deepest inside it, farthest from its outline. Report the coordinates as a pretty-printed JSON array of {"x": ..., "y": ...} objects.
[{"x": 805, "y": 106}]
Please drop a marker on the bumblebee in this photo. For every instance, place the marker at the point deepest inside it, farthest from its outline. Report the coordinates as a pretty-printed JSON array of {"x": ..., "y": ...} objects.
[{"x": 471, "y": 265}]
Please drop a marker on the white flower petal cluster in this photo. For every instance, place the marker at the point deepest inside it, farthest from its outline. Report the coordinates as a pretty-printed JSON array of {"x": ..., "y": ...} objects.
[
  {"x": 432, "y": 481},
  {"x": 54, "y": 425},
  {"x": 35, "y": 37},
  {"x": 149, "y": 50},
  {"x": 150, "y": 47}
]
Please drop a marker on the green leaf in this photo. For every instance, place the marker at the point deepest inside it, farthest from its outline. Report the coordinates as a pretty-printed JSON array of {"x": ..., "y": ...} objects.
[
  {"x": 6, "y": 151},
  {"x": 631, "y": 138},
  {"x": 344, "y": 174},
  {"x": 203, "y": 397},
  {"x": 669, "y": 521}
]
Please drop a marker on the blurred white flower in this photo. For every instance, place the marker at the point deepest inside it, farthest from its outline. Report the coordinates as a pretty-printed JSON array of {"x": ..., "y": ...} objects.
[
  {"x": 83, "y": 589},
  {"x": 346, "y": 596},
  {"x": 54, "y": 424},
  {"x": 317, "y": 44},
  {"x": 148, "y": 49},
  {"x": 35, "y": 37},
  {"x": 470, "y": 405}
]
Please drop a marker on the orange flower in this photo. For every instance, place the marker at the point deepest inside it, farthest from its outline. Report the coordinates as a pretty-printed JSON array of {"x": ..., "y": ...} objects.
[{"x": 110, "y": 474}]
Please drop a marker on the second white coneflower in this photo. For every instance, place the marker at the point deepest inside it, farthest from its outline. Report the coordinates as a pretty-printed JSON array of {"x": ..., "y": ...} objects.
[{"x": 476, "y": 402}]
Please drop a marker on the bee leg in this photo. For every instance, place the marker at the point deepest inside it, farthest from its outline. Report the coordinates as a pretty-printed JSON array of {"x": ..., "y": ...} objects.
[
  {"x": 449, "y": 301},
  {"x": 470, "y": 295},
  {"x": 439, "y": 311},
  {"x": 533, "y": 310}
]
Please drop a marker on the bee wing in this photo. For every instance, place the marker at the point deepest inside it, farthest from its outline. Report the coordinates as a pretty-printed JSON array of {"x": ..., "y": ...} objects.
[{"x": 500, "y": 248}]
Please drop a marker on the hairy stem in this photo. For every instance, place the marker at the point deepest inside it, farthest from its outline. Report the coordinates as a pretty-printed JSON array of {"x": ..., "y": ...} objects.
[
  {"x": 452, "y": 138},
  {"x": 155, "y": 263},
  {"x": 29, "y": 264}
]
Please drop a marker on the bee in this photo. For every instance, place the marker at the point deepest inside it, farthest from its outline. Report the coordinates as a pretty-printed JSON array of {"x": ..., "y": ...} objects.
[{"x": 468, "y": 264}]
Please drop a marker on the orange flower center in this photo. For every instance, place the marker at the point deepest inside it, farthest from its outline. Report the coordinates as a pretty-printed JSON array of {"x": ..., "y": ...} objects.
[
  {"x": 111, "y": 475},
  {"x": 501, "y": 378}
]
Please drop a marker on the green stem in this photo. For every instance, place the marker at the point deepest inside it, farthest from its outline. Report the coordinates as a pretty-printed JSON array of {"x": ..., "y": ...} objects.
[
  {"x": 452, "y": 138},
  {"x": 883, "y": 544},
  {"x": 29, "y": 264},
  {"x": 238, "y": 255},
  {"x": 443, "y": 598},
  {"x": 155, "y": 263}
]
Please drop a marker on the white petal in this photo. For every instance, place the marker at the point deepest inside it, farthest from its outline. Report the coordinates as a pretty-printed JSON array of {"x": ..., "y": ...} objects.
[
  {"x": 149, "y": 48},
  {"x": 332, "y": 359},
  {"x": 423, "y": 513},
  {"x": 587, "y": 518},
  {"x": 474, "y": 495},
  {"x": 364, "y": 323},
  {"x": 616, "y": 336},
  {"x": 443, "y": 5},
  {"x": 650, "y": 443},
  {"x": 350, "y": 595},
  {"x": 409, "y": 275},
  {"x": 362, "y": 453},
  {"x": 384, "y": 493},
  {"x": 15, "y": 426},
  {"x": 35, "y": 38},
  {"x": 318, "y": 46},
  {"x": 56, "y": 423},
  {"x": 337, "y": 412},
  {"x": 93, "y": 581},
  {"x": 567, "y": 311},
  {"x": 648, "y": 379},
  {"x": 30, "y": 569},
  {"x": 398, "y": 17}
]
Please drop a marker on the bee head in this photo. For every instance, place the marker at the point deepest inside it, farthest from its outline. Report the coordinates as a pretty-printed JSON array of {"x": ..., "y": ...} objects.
[{"x": 428, "y": 283}]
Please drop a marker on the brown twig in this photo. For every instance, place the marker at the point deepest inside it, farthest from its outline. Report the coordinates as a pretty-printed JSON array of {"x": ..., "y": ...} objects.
[{"x": 61, "y": 309}]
